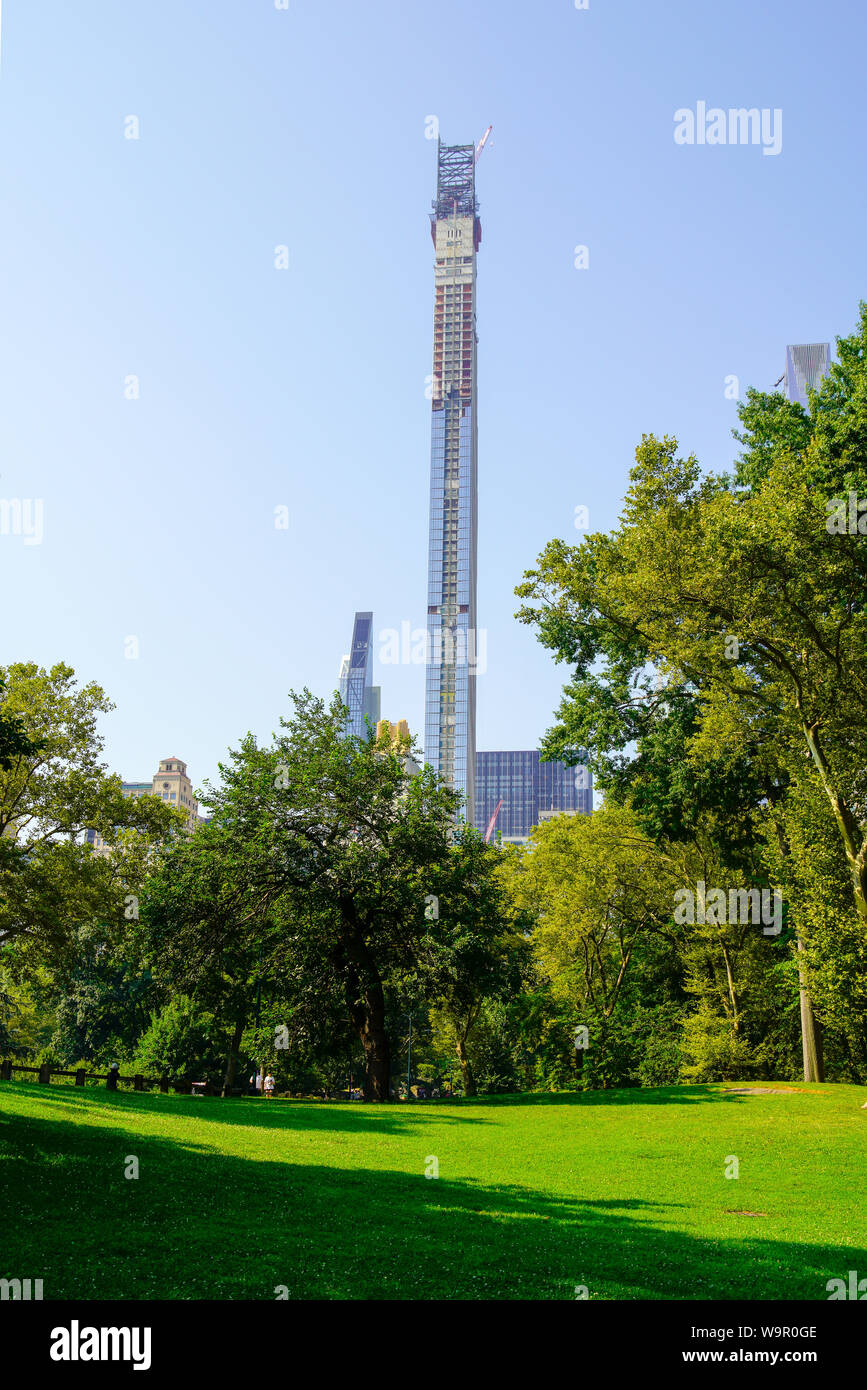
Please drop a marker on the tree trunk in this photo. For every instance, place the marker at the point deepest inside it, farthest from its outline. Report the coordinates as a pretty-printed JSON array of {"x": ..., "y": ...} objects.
[
  {"x": 854, "y": 842},
  {"x": 377, "y": 1071},
  {"x": 367, "y": 1011},
  {"x": 365, "y": 1000},
  {"x": 377, "y": 1052},
  {"x": 232, "y": 1059},
  {"x": 730, "y": 981},
  {"x": 466, "y": 1070},
  {"x": 811, "y": 1029}
]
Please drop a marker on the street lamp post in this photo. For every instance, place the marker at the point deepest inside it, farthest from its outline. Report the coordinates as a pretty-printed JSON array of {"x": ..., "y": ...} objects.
[
  {"x": 259, "y": 1066},
  {"x": 409, "y": 1060}
]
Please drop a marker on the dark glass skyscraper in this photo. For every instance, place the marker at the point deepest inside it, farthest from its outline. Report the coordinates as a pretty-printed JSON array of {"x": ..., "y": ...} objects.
[
  {"x": 450, "y": 693},
  {"x": 531, "y": 791},
  {"x": 357, "y": 690}
]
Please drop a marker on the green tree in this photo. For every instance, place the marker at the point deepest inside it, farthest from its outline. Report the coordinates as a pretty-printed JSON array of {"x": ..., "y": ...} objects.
[
  {"x": 597, "y": 887},
  {"x": 746, "y": 597},
  {"x": 321, "y": 858},
  {"x": 808, "y": 861},
  {"x": 102, "y": 1003},
  {"x": 51, "y": 791},
  {"x": 748, "y": 603},
  {"x": 477, "y": 957},
  {"x": 26, "y": 1024},
  {"x": 183, "y": 1042},
  {"x": 14, "y": 742}
]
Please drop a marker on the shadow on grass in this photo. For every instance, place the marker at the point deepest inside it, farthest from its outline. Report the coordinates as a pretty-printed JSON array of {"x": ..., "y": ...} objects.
[
  {"x": 197, "y": 1224},
  {"x": 276, "y": 1114},
  {"x": 357, "y": 1117},
  {"x": 627, "y": 1095}
]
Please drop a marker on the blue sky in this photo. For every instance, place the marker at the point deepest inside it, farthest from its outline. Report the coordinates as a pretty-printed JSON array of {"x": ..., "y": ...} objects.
[{"x": 305, "y": 388}]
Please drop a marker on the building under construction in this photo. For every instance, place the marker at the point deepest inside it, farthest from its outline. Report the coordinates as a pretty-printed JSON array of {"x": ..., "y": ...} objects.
[{"x": 450, "y": 694}]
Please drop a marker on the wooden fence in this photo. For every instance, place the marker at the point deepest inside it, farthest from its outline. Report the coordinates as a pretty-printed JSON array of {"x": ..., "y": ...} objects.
[
  {"x": 139, "y": 1083},
  {"x": 45, "y": 1073}
]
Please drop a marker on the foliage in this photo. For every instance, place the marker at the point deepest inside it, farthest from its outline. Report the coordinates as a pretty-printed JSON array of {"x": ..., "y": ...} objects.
[
  {"x": 743, "y": 596},
  {"x": 26, "y": 1024},
  {"x": 718, "y": 643},
  {"x": 102, "y": 1004},
  {"x": 712, "y": 1052},
  {"x": 183, "y": 1042},
  {"x": 51, "y": 791},
  {"x": 318, "y": 865}
]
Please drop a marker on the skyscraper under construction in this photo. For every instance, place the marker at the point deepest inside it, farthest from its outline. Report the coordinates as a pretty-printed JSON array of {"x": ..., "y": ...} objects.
[{"x": 450, "y": 694}]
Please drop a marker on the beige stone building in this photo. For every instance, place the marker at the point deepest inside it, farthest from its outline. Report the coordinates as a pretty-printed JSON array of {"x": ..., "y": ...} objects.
[
  {"x": 400, "y": 741},
  {"x": 171, "y": 784}
]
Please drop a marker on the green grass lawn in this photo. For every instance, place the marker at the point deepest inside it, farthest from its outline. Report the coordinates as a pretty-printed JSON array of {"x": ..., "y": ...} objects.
[{"x": 623, "y": 1192}]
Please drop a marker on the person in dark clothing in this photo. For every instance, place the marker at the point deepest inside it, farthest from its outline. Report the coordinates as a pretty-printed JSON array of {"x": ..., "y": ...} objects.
[{"x": 111, "y": 1079}]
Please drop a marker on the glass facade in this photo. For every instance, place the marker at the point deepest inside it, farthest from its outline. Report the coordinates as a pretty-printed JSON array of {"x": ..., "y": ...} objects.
[
  {"x": 806, "y": 364},
  {"x": 356, "y": 687},
  {"x": 531, "y": 791},
  {"x": 450, "y": 690}
]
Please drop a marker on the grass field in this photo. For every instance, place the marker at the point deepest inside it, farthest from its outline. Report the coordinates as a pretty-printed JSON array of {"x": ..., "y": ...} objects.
[{"x": 623, "y": 1192}]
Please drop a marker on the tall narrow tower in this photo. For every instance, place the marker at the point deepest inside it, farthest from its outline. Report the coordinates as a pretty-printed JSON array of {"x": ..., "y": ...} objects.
[
  {"x": 357, "y": 690},
  {"x": 450, "y": 695}
]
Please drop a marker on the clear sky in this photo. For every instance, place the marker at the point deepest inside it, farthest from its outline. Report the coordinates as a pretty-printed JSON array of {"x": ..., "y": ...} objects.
[{"x": 304, "y": 388}]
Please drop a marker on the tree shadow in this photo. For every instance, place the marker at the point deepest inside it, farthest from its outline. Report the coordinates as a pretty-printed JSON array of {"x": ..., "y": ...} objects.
[
  {"x": 275, "y": 1114},
  {"x": 627, "y": 1095},
  {"x": 200, "y": 1224}
]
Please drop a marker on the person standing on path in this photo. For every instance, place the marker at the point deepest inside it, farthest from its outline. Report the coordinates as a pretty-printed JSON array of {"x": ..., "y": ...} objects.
[{"x": 269, "y": 1087}]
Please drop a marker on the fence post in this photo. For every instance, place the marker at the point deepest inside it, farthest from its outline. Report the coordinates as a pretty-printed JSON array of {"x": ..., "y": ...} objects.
[
  {"x": 79, "y": 1077},
  {"x": 138, "y": 1082},
  {"x": 45, "y": 1073},
  {"x": 6, "y": 1071},
  {"x": 164, "y": 1084}
]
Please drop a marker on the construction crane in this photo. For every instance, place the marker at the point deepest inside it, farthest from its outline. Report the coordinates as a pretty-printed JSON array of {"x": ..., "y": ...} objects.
[
  {"x": 481, "y": 145},
  {"x": 492, "y": 822}
]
